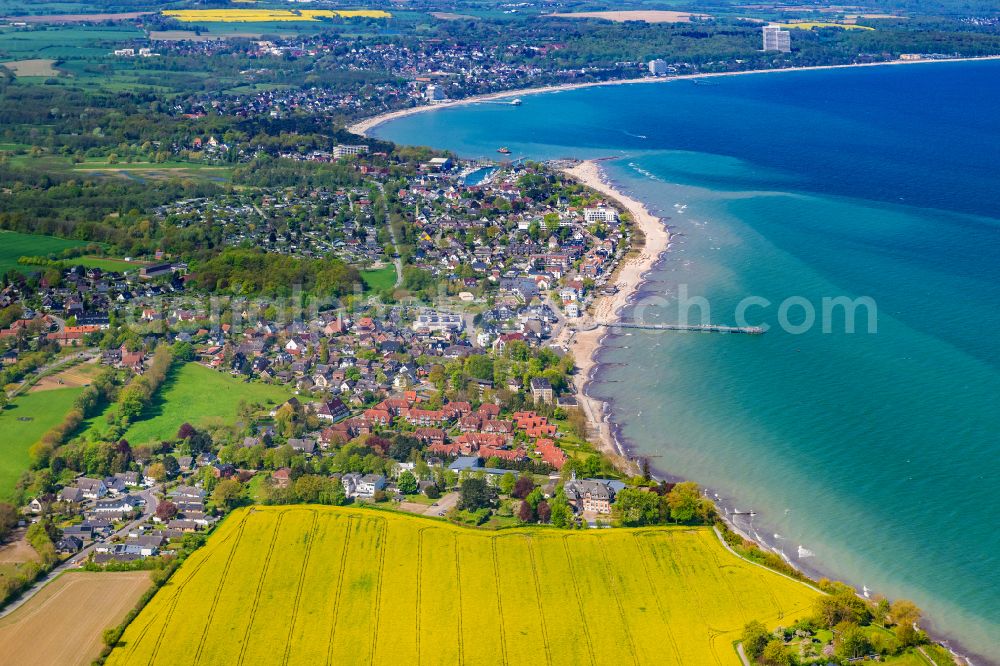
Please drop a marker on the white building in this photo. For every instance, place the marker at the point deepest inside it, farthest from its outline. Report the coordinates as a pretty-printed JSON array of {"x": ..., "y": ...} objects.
[
  {"x": 434, "y": 93},
  {"x": 605, "y": 214},
  {"x": 131, "y": 53},
  {"x": 776, "y": 39},
  {"x": 431, "y": 322},
  {"x": 365, "y": 486},
  {"x": 345, "y": 151},
  {"x": 437, "y": 164},
  {"x": 658, "y": 67}
]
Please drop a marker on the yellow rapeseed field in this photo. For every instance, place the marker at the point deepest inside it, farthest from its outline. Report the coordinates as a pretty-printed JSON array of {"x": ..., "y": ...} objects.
[
  {"x": 268, "y": 15},
  {"x": 326, "y": 585},
  {"x": 809, "y": 25}
]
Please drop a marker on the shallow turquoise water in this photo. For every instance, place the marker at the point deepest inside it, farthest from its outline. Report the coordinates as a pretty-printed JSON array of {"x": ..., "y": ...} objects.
[{"x": 876, "y": 451}]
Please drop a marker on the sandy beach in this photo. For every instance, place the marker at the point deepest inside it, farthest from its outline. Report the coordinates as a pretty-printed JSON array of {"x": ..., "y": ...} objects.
[
  {"x": 585, "y": 342},
  {"x": 362, "y": 127}
]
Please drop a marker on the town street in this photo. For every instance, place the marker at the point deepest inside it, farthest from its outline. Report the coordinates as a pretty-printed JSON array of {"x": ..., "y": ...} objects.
[{"x": 148, "y": 509}]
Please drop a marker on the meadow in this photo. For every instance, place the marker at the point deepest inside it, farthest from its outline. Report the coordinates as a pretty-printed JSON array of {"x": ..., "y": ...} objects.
[
  {"x": 313, "y": 585},
  {"x": 106, "y": 264},
  {"x": 379, "y": 278},
  {"x": 197, "y": 395},
  {"x": 15, "y": 245},
  {"x": 22, "y": 423},
  {"x": 65, "y": 41},
  {"x": 144, "y": 171}
]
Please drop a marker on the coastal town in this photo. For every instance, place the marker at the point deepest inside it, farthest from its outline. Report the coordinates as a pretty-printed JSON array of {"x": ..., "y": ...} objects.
[
  {"x": 241, "y": 335},
  {"x": 388, "y": 399},
  {"x": 462, "y": 401}
]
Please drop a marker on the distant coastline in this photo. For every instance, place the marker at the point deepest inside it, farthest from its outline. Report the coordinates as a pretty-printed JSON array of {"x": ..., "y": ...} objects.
[{"x": 363, "y": 127}]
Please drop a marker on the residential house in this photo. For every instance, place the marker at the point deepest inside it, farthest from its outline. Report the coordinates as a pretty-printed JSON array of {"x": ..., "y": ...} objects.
[
  {"x": 332, "y": 410},
  {"x": 541, "y": 390},
  {"x": 593, "y": 495},
  {"x": 282, "y": 478},
  {"x": 356, "y": 485},
  {"x": 91, "y": 489}
]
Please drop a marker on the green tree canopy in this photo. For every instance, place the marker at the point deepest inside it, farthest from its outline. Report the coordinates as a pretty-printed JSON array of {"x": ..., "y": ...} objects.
[{"x": 476, "y": 494}]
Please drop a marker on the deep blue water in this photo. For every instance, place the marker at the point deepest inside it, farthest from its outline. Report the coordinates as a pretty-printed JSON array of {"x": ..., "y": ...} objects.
[{"x": 877, "y": 452}]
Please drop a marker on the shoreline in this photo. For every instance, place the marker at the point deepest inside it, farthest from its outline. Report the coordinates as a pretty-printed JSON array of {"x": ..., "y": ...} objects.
[
  {"x": 586, "y": 344},
  {"x": 629, "y": 276},
  {"x": 363, "y": 127}
]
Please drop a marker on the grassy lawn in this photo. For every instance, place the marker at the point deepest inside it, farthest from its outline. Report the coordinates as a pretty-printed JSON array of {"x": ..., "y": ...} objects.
[
  {"x": 195, "y": 394},
  {"x": 22, "y": 423},
  {"x": 106, "y": 263},
  {"x": 380, "y": 278},
  {"x": 14, "y": 246},
  {"x": 909, "y": 659},
  {"x": 316, "y": 584},
  {"x": 254, "y": 488},
  {"x": 420, "y": 498}
]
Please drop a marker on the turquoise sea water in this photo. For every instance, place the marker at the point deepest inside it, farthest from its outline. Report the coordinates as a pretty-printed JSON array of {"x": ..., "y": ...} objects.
[{"x": 876, "y": 452}]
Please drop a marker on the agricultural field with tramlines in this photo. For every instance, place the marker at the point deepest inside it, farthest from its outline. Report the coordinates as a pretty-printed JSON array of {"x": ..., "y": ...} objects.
[{"x": 315, "y": 585}]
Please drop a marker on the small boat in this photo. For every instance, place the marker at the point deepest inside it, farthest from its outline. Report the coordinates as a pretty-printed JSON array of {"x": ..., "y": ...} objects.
[
  {"x": 516, "y": 101},
  {"x": 504, "y": 150}
]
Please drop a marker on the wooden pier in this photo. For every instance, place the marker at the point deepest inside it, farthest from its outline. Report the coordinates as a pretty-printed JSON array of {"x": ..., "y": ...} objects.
[{"x": 699, "y": 328}]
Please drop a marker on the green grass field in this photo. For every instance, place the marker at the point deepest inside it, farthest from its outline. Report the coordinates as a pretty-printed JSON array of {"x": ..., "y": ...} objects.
[
  {"x": 140, "y": 172},
  {"x": 380, "y": 278},
  {"x": 65, "y": 41},
  {"x": 40, "y": 412},
  {"x": 106, "y": 263},
  {"x": 195, "y": 394},
  {"x": 14, "y": 246},
  {"x": 314, "y": 585},
  {"x": 143, "y": 171}
]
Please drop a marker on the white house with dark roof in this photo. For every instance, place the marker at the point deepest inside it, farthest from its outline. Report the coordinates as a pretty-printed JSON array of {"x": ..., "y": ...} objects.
[
  {"x": 91, "y": 488},
  {"x": 356, "y": 485}
]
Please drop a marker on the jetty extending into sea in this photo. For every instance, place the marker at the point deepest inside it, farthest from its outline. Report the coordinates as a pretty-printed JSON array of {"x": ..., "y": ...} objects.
[
  {"x": 698, "y": 328},
  {"x": 702, "y": 328}
]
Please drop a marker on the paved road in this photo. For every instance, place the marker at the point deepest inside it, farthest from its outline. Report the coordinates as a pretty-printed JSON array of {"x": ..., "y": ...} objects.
[
  {"x": 444, "y": 505},
  {"x": 77, "y": 560}
]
